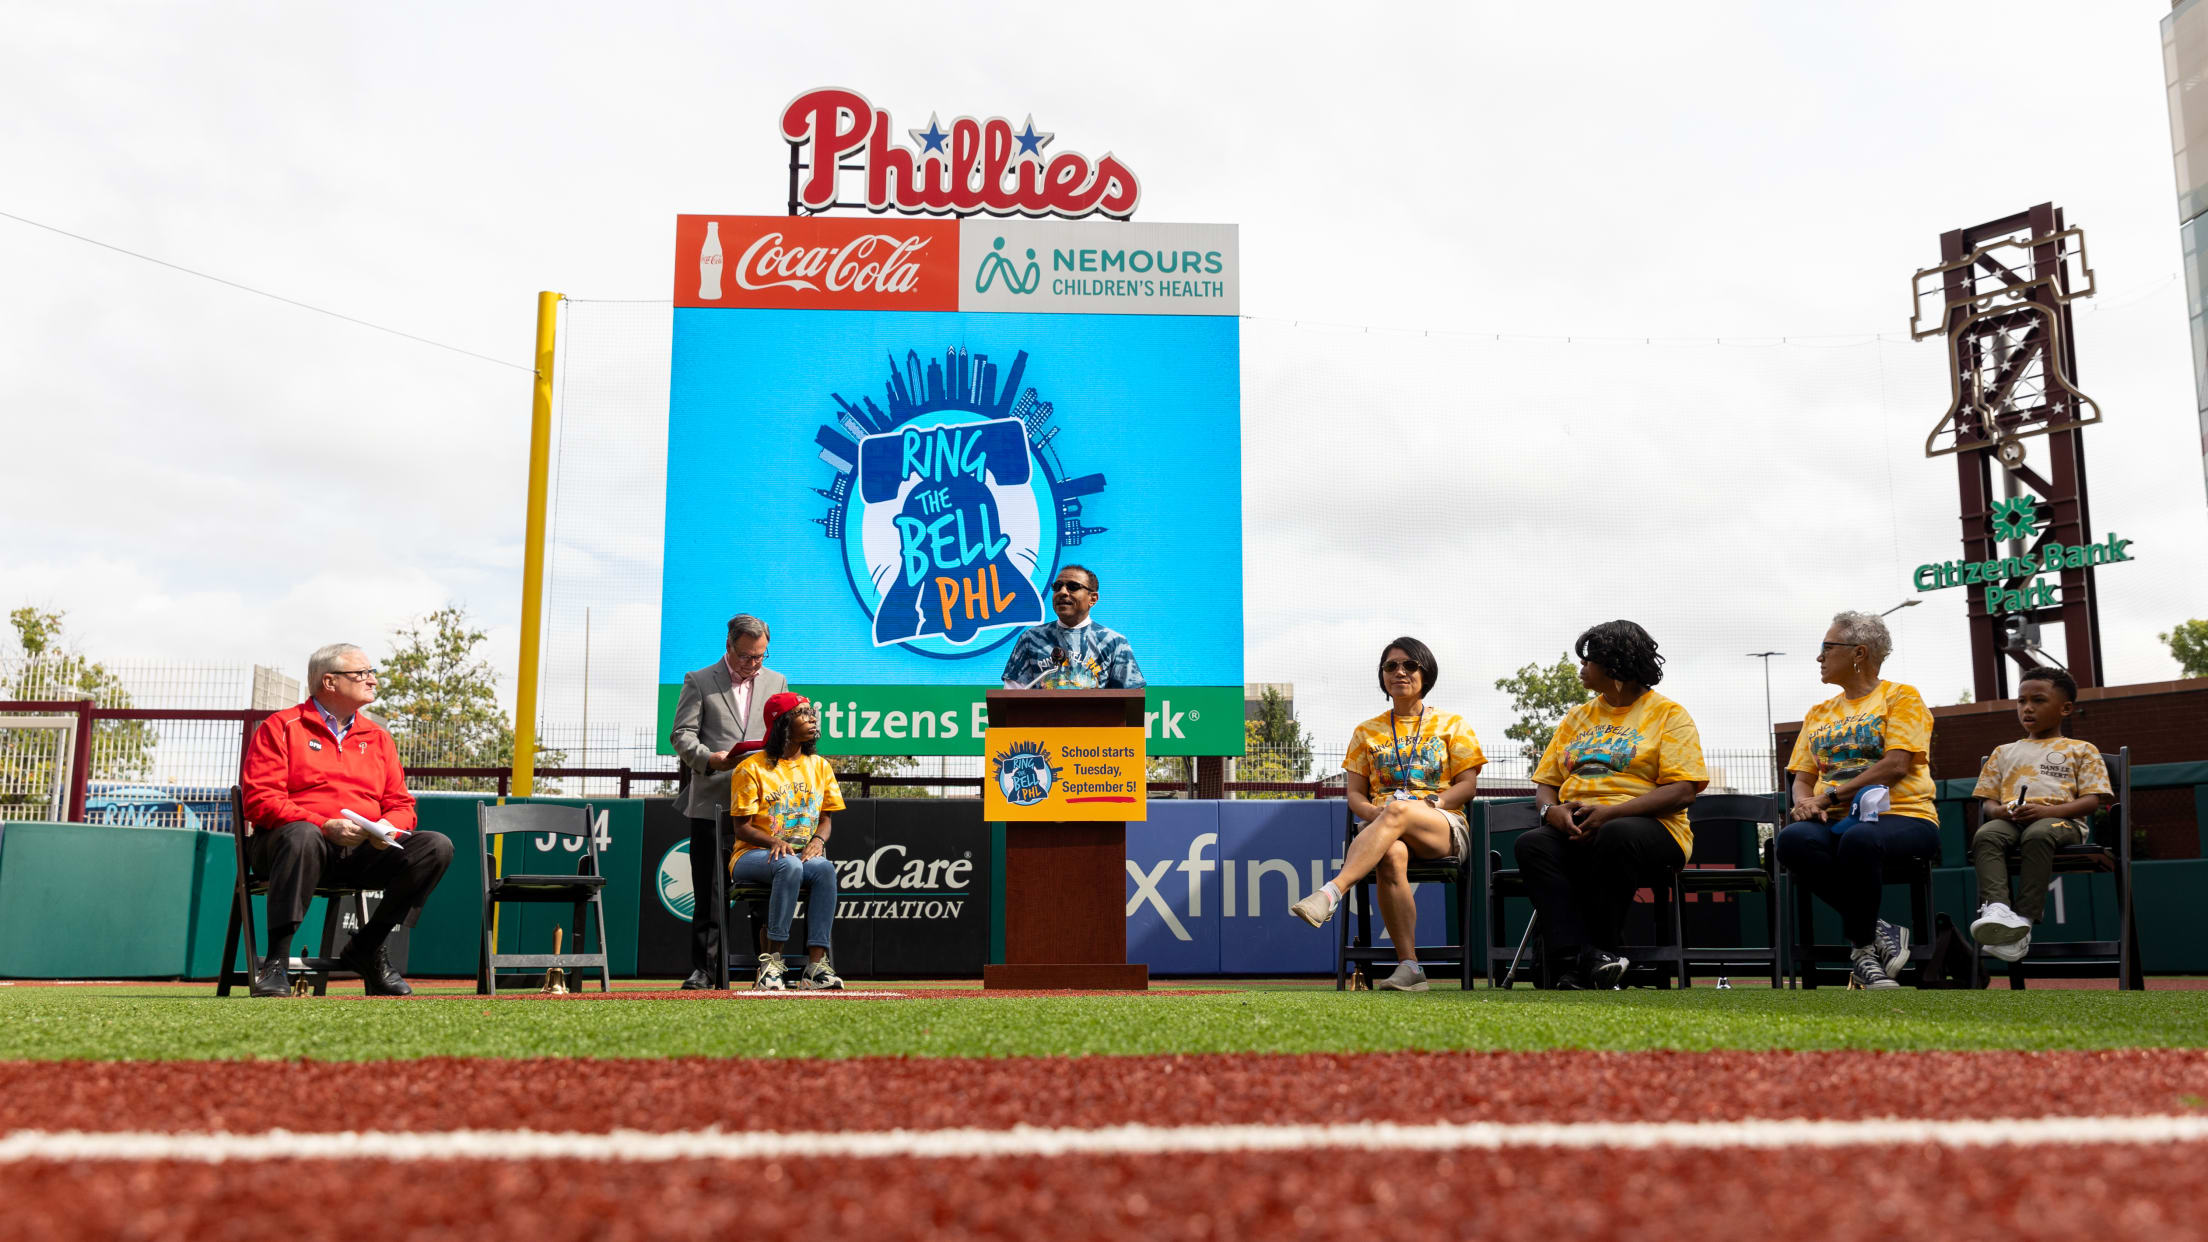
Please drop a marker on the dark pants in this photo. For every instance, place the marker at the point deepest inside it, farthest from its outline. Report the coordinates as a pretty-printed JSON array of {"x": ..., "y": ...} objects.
[
  {"x": 1847, "y": 870},
  {"x": 709, "y": 893},
  {"x": 1582, "y": 887},
  {"x": 296, "y": 859}
]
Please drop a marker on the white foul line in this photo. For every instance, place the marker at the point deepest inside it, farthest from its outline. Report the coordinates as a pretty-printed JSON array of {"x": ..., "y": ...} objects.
[{"x": 641, "y": 1146}]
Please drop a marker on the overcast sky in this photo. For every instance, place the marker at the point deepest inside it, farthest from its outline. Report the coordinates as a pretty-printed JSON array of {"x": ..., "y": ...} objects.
[{"x": 199, "y": 474}]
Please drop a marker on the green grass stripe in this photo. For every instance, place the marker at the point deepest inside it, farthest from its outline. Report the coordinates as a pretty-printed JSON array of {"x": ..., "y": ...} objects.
[{"x": 82, "y": 1023}]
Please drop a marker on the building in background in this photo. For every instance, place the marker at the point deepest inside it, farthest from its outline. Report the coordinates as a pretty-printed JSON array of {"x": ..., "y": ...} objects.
[
  {"x": 2185, "y": 73},
  {"x": 1253, "y": 697}
]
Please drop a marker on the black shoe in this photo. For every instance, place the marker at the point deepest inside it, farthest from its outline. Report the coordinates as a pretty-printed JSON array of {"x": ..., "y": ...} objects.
[
  {"x": 1568, "y": 981},
  {"x": 272, "y": 981},
  {"x": 1603, "y": 970},
  {"x": 374, "y": 968},
  {"x": 699, "y": 981}
]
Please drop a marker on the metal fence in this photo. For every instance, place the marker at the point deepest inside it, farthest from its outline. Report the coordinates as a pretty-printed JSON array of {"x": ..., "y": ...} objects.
[{"x": 159, "y": 744}]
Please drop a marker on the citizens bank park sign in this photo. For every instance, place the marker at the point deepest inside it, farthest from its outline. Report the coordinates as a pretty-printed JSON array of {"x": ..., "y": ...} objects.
[{"x": 887, "y": 435}]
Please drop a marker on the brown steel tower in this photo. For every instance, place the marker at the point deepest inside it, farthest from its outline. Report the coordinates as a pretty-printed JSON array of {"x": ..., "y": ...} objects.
[{"x": 2005, "y": 289}]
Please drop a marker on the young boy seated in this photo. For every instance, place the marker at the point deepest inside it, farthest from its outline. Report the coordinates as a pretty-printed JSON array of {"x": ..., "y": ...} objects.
[{"x": 2039, "y": 793}]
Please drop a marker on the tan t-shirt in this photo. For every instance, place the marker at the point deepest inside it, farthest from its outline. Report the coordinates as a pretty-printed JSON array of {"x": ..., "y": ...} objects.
[{"x": 2055, "y": 769}]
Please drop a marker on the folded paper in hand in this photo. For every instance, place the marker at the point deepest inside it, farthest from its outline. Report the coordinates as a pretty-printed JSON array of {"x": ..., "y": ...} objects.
[{"x": 380, "y": 829}]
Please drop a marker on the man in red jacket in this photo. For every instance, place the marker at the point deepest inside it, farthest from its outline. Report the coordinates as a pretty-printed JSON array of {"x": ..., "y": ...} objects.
[{"x": 305, "y": 766}]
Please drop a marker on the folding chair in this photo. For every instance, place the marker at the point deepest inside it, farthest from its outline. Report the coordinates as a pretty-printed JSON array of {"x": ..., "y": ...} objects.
[
  {"x": 754, "y": 897},
  {"x": 1452, "y": 872},
  {"x": 245, "y": 888},
  {"x": 2094, "y": 855},
  {"x": 585, "y": 888},
  {"x": 1806, "y": 957},
  {"x": 1504, "y": 882},
  {"x": 1724, "y": 825},
  {"x": 1671, "y": 951}
]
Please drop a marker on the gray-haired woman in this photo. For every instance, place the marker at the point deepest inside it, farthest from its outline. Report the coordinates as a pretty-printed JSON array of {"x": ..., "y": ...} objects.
[{"x": 1874, "y": 734}]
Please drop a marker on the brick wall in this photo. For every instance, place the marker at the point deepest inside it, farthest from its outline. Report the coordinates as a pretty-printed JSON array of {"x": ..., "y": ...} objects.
[{"x": 2162, "y": 722}]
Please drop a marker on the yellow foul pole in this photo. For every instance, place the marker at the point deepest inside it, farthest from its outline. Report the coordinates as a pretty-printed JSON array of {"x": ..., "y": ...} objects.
[{"x": 532, "y": 557}]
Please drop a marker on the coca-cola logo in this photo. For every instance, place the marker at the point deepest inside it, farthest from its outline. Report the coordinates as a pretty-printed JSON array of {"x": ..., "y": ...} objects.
[
  {"x": 974, "y": 167},
  {"x": 873, "y": 263}
]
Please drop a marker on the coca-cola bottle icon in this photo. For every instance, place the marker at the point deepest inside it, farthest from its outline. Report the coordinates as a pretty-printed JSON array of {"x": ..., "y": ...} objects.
[{"x": 709, "y": 264}]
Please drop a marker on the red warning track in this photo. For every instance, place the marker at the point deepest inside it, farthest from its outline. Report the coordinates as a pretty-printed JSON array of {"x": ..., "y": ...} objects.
[
  {"x": 878, "y": 1093},
  {"x": 2158, "y": 1192},
  {"x": 1892, "y": 1191}
]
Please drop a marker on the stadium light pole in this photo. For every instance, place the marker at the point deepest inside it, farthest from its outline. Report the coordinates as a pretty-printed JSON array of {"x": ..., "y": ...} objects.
[
  {"x": 1770, "y": 723},
  {"x": 1907, "y": 603}
]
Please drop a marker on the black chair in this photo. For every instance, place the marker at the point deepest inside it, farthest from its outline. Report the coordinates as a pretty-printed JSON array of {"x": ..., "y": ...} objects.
[
  {"x": 1670, "y": 952},
  {"x": 1806, "y": 957},
  {"x": 754, "y": 897},
  {"x": 583, "y": 889},
  {"x": 1725, "y": 832},
  {"x": 320, "y": 970},
  {"x": 1452, "y": 872},
  {"x": 2095, "y": 855},
  {"x": 1504, "y": 882}
]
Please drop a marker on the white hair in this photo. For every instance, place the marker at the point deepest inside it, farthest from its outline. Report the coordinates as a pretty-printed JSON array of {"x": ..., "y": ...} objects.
[
  {"x": 324, "y": 661},
  {"x": 1862, "y": 629}
]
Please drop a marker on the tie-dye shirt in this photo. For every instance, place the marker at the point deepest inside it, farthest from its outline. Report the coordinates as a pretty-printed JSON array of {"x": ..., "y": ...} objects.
[
  {"x": 2054, "y": 769},
  {"x": 1604, "y": 755},
  {"x": 1419, "y": 757},
  {"x": 783, "y": 799},
  {"x": 1842, "y": 736},
  {"x": 1081, "y": 657}
]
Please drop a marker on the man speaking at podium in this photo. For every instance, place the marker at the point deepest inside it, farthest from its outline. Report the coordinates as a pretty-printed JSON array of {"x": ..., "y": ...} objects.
[{"x": 1073, "y": 652}]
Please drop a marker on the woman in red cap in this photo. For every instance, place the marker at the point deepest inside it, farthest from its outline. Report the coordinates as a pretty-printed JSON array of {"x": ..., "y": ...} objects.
[{"x": 780, "y": 801}]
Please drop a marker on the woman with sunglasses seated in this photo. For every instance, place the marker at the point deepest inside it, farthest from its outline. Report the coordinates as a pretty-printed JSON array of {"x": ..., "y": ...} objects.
[
  {"x": 1073, "y": 652},
  {"x": 1409, "y": 773},
  {"x": 1612, "y": 789},
  {"x": 1863, "y": 794}
]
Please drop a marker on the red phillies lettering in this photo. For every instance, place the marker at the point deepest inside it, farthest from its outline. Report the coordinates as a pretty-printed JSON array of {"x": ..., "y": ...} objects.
[
  {"x": 836, "y": 123},
  {"x": 975, "y": 166}
]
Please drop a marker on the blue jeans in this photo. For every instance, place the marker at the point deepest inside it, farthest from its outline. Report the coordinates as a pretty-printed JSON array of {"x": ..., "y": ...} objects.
[
  {"x": 1844, "y": 864},
  {"x": 783, "y": 877}
]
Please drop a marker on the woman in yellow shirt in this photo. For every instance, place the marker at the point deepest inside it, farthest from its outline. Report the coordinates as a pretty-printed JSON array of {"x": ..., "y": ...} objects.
[
  {"x": 1612, "y": 789},
  {"x": 1409, "y": 773},
  {"x": 782, "y": 803},
  {"x": 1862, "y": 792}
]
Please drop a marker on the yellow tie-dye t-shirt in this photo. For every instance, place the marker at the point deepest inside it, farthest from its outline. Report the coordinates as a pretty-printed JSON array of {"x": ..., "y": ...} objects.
[
  {"x": 1418, "y": 756},
  {"x": 2055, "y": 769},
  {"x": 1605, "y": 755},
  {"x": 783, "y": 799},
  {"x": 1841, "y": 736}
]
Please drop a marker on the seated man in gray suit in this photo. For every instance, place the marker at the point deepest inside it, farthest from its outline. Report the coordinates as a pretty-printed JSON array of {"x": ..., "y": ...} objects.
[{"x": 719, "y": 719}]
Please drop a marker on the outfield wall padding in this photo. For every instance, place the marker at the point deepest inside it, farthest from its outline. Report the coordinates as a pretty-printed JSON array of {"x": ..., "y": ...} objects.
[{"x": 1207, "y": 888}]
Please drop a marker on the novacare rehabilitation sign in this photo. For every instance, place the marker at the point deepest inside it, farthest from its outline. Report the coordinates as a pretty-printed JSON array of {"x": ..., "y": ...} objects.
[{"x": 886, "y": 436}]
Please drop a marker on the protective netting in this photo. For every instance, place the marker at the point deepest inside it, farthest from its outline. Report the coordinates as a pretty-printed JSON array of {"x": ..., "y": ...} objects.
[{"x": 1494, "y": 497}]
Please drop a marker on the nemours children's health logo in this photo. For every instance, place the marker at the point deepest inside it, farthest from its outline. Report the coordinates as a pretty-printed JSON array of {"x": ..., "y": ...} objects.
[
  {"x": 952, "y": 507},
  {"x": 1024, "y": 773},
  {"x": 673, "y": 881}
]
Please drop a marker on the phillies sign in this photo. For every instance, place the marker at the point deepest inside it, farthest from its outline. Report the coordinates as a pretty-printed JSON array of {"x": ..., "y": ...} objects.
[{"x": 975, "y": 167}]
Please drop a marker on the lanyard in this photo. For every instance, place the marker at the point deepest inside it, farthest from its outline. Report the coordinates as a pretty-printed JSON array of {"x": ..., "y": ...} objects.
[{"x": 1418, "y": 729}]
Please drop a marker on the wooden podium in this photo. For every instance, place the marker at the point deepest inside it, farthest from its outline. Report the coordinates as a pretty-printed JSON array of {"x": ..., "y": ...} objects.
[{"x": 1065, "y": 884}]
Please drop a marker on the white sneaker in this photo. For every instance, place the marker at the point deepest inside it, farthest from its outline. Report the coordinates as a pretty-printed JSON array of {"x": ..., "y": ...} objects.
[
  {"x": 1315, "y": 909},
  {"x": 820, "y": 977},
  {"x": 769, "y": 978},
  {"x": 2013, "y": 951},
  {"x": 1408, "y": 977},
  {"x": 1997, "y": 925}
]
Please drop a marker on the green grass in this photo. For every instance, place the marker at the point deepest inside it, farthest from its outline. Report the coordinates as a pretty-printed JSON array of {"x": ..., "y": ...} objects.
[{"x": 124, "y": 1023}]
